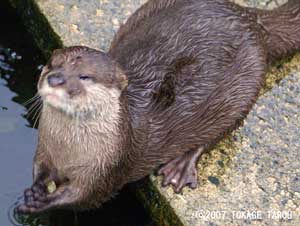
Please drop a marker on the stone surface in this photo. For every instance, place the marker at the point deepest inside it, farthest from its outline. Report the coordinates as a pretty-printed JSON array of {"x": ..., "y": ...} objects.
[
  {"x": 263, "y": 4},
  {"x": 91, "y": 23},
  {"x": 252, "y": 177}
]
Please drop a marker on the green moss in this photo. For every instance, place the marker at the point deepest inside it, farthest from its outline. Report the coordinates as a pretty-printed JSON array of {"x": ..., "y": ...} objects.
[
  {"x": 279, "y": 70},
  {"x": 215, "y": 163},
  {"x": 37, "y": 24},
  {"x": 156, "y": 204}
]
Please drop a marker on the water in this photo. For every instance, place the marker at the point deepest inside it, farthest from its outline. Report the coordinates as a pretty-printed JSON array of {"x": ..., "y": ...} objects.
[{"x": 20, "y": 63}]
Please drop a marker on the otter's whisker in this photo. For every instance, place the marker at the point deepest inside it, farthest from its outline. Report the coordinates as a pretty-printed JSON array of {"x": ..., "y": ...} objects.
[
  {"x": 38, "y": 116},
  {"x": 38, "y": 109},
  {"x": 32, "y": 99},
  {"x": 33, "y": 108}
]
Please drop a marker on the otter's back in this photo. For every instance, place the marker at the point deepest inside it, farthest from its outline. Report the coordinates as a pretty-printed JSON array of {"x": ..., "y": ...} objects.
[{"x": 199, "y": 38}]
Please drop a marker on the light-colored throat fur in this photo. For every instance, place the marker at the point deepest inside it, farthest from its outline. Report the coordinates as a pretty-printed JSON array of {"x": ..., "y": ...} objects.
[{"x": 74, "y": 141}]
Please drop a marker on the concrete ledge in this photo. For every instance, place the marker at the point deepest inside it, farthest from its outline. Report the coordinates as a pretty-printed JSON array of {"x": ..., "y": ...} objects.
[{"x": 256, "y": 170}]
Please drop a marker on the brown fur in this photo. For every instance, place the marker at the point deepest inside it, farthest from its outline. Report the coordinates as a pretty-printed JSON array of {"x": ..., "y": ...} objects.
[{"x": 194, "y": 70}]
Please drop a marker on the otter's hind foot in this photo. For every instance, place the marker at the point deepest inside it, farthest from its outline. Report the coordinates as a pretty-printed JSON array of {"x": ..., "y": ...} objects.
[{"x": 182, "y": 171}]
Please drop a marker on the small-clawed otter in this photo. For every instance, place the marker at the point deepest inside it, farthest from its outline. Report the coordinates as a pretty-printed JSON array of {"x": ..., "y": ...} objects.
[{"x": 178, "y": 76}]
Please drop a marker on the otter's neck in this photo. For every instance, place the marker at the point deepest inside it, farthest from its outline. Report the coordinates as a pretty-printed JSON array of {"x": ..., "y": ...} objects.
[{"x": 97, "y": 139}]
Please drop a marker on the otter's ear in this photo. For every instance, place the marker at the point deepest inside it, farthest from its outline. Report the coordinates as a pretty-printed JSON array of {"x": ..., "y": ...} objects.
[
  {"x": 122, "y": 78},
  {"x": 58, "y": 57},
  {"x": 56, "y": 51}
]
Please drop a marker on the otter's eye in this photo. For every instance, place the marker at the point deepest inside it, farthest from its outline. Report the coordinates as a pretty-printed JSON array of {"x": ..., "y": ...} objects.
[{"x": 85, "y": 77}]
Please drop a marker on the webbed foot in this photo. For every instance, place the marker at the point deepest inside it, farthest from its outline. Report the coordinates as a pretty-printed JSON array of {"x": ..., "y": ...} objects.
[{"x": 182, "y": 171}]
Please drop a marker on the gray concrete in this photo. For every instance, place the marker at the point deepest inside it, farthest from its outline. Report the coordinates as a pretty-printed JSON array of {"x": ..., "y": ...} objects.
[{"x": 256, "y": 170}]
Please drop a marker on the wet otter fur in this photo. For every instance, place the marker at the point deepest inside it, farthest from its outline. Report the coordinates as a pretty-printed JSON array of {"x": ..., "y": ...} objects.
[{"x": 178, "y": 76}]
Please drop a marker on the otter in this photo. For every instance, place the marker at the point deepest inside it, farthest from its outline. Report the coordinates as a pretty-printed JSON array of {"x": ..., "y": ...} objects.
[{"x": 179, "y": 75}]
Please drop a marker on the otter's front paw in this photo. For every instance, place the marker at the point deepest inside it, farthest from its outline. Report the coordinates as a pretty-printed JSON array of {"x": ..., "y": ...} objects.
[
  {"x": 37, "y": 190},
  {"x": 31, "y": 198},
  {"x": 38, "y": 199}
]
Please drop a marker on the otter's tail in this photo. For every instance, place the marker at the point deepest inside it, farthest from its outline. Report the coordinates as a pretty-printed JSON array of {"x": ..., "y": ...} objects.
[{"x": 281, "y": 29}]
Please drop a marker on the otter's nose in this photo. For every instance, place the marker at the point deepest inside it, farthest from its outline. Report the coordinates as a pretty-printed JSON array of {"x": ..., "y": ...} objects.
[
  {"x": 56, "y": 80},
  {"x": 74, "y": 91}
]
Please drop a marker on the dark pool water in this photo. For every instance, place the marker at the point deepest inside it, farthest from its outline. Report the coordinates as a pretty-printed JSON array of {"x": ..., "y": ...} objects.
[{"x": 20, "y": 63}]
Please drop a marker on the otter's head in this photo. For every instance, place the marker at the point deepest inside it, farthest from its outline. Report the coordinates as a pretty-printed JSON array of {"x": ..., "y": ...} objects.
[{"x": 80, "y": 81}]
